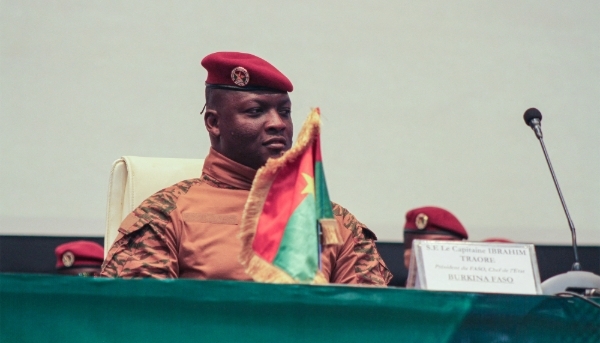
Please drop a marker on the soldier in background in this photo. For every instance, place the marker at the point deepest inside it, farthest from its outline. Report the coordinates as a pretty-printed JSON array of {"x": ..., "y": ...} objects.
[
  {"x": 79, "y": 258},
  {"x": 432, "y": 223}
]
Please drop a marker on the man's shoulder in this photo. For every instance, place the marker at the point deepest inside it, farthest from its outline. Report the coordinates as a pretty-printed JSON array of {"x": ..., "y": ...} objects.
[
  {"x": 351, "y": 223},
  {"x": 166, "y": 199},
  {"x": 158, "y": 207}
]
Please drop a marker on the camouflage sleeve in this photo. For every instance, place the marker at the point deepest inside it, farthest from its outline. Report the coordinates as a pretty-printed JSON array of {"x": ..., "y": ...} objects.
[
  {"x": 370, "y": 268},
  {"x": 342, "y": 259},
  {"x": 145, "y": 246},
  {"x": 140, "y": 254}
]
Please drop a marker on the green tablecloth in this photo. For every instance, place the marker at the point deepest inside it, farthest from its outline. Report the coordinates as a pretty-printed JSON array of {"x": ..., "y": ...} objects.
[{"x": 42, "y": 308}]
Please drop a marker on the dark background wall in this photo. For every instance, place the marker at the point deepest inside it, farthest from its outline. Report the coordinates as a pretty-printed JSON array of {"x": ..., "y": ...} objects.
[{"x": 35, "y": 254}]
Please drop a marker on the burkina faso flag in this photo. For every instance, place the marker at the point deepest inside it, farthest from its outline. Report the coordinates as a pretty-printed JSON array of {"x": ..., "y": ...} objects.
[{"x": 288, "y": 214}]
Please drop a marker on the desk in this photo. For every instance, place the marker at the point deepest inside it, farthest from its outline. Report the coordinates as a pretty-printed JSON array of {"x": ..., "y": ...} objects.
[{"x": 43, "y": 308}]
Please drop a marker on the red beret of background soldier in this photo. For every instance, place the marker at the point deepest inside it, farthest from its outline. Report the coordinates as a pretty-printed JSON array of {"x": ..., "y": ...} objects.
[
  {"x": 81, "y": 258},
  {"x": 190, "y": 230},
  {"x": 432, "y": 223}
]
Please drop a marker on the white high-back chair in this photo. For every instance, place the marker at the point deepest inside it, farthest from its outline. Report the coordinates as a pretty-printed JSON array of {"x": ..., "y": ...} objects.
[{"x": 133, "y": 179}]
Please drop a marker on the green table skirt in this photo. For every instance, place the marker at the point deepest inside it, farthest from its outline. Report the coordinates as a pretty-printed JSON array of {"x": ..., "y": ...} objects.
[{"x": 45, "y": 308}]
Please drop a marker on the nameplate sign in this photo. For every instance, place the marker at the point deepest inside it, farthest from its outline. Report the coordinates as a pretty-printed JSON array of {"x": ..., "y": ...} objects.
[{"x": 474, "y": 267}]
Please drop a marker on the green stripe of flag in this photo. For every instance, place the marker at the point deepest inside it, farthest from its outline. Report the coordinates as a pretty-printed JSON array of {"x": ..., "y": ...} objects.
[
  {"x": 323, "y": 203},
  {"x": 298, "y": 253}
]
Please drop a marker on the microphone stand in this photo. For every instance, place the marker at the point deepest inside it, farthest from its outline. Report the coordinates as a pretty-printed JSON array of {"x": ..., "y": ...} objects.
[
  {"x": 576, "y": 266},
  {"x": 583, "y": 282}
]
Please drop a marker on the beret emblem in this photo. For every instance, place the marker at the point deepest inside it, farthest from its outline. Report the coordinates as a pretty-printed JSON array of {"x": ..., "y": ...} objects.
[
  {"x": 240, "y": 76},
  {"x": 421, "y": 221},
  {"x": 68, "y": 259}
]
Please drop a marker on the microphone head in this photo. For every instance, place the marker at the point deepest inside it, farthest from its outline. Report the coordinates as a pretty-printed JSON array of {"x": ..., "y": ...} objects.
[{"x": 530, "y": 114}]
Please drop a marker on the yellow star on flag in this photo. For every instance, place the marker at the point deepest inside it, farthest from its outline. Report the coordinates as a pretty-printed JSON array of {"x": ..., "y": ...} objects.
[{"x": 310, "y": 184}]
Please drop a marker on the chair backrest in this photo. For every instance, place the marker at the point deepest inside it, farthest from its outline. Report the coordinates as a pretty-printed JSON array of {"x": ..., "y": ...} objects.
[{"x": 133, "y": 179}]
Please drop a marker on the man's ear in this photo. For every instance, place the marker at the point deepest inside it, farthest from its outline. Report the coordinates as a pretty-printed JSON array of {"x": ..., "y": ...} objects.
[{"x": 211, "y": 121}]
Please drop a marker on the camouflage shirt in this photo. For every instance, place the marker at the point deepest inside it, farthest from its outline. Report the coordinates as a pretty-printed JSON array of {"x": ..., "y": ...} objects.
[
  {"x": 150, "y": 242},
  {"x": 370, "y": 268}
]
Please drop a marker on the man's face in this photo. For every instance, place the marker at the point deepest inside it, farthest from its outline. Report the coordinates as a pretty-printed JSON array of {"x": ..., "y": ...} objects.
[
  {"x": 432, "y": 237},
  {"x": 253, "y": 126}
]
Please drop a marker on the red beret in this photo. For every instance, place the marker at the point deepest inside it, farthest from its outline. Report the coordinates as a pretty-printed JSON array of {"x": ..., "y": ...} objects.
[
  {"x": 434, "y": 220},
  {"x": 79, "y": 254},
  {"x": 241, "y": 71}
]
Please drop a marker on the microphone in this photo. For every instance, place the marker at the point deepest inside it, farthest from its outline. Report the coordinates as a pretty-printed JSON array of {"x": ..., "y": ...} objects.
[
  {"x": 533, "y": 118},
  {"x": 575, "y": 279}
]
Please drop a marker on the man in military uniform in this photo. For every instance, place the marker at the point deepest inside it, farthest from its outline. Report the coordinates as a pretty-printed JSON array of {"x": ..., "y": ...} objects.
[
  {"x": 432, "y": 223},
  {"x": 190, "y": 229}
]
